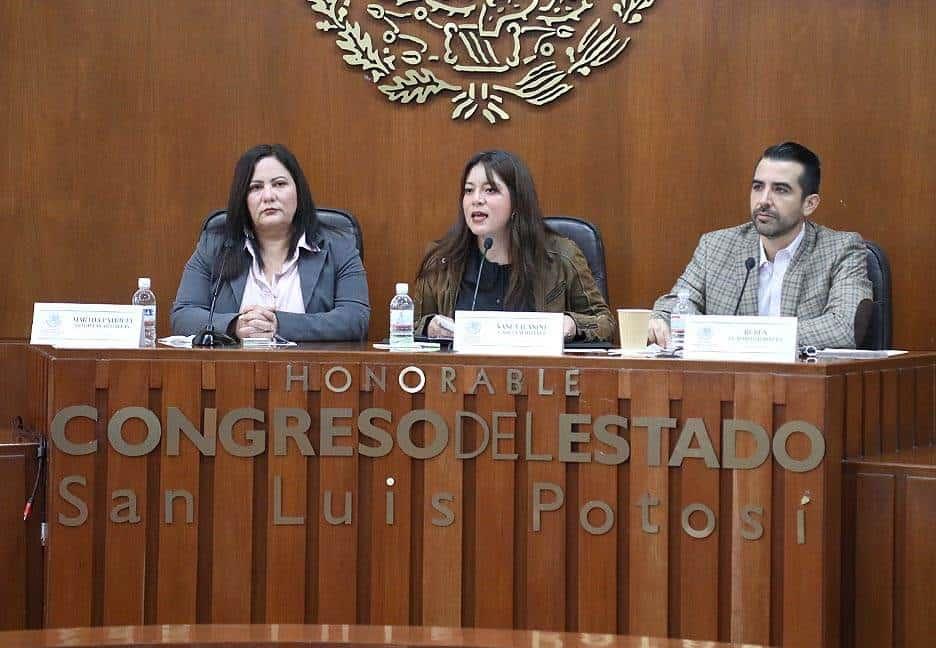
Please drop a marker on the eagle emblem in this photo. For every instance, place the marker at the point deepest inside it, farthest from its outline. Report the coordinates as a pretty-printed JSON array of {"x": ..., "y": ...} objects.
[{"x": 479, "y": 53}]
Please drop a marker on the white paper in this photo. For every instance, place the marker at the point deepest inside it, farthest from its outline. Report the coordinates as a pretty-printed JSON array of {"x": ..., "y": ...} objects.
[
  {"x": 858, "y": 353},
  {"x": 177, "y": 341},
  {"x": 650, "y": 351},
  {"x": 417, "y": 347}
]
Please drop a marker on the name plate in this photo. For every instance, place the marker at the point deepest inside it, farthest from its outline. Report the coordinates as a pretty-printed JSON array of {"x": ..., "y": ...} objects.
[
  {"x": 88, "y": 326},
  {"x": 752, "y": 339},
  {"x": 500, "y": 333}
]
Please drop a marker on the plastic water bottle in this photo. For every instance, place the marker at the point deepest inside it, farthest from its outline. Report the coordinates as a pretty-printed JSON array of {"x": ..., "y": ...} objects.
[
  {"x": 681, "y": 310},
  {"x": 401, "y": 318},
  {"x": 147, "y": 299}
]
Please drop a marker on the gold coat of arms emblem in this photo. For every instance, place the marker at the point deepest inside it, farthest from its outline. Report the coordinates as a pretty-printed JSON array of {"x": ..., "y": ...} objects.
[{"x": 480, "y": 55}]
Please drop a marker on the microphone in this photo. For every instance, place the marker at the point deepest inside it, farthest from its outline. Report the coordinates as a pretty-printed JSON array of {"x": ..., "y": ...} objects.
[
  {"x": 208, "y": 337},
  {"x": 488, "y": 244},
  {"x": 749, "y": 264}
]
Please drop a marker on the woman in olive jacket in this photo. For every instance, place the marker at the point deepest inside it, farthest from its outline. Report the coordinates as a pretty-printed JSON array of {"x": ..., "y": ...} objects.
[{"x": 526, "y": 266}]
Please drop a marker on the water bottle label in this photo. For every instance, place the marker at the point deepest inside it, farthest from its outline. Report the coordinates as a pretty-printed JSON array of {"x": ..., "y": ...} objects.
[
  {"x": 149, "y": 312},
  {"x": 401, "y": 321}
]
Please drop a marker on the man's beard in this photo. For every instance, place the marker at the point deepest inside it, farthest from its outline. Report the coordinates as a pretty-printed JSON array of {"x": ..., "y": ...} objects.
[{"x": 774, "y": 228}]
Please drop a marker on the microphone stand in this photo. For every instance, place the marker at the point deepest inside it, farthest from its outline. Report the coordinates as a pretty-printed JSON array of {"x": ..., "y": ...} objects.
[
  {"x": 488, "y": 243},
  {"x": 749, "y": 264},
  {"x": 209, "y": 337}
]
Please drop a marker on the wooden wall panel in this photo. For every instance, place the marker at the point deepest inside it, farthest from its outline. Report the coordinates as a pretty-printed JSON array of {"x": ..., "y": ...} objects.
[
  {"x": 390, "y": 559},
  {"x": 698, "y": 559},
  {"x": 649, "y": 523},
  {"x": 925, "y": 426},
  {"x": 286, "y": 503},
  {"x": 811, "y": 576},
  {"x": 14, "y": 370},
  {"x": 595, "y": 581},
  {"x": 490, "y": 500},
  {"x": 123, "y": 121},
  {"x": 887, "y": 410},
  {"x": 750, "y": 592},
  {"x": 338, "y": 496},
  {"x": 874, "y": 545},
  {"x": 486, "y": 564},
  {"x": 125, "y": 504},
  {"x": 13, "y": 466},
  {"x": 178, "y": 547},
  {"x": 546, "y": 552},
  {"x": 232, "y": 501},
  {"x": 70, "y": 579},
  {"x": 442, "y": 544},
  {"x": 891, "y": 501},
  {"x": 14, "y": 462},
  {"x": 919, "y": 562}
]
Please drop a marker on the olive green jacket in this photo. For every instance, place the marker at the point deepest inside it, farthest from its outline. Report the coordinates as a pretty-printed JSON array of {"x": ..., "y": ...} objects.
[{"x": 565, "y": 285}]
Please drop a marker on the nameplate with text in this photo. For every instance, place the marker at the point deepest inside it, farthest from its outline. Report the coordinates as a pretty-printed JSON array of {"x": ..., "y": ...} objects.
[
  {"x": 87, "y": 326},
  {"x": 753, "y": 339},
  {"x": 500, "y": 333}
]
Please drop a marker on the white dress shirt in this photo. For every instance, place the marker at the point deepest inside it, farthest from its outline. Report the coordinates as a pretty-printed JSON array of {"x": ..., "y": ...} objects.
[
  {"x": 770, "y": 275},
  {"x": 284, "y": 293}
]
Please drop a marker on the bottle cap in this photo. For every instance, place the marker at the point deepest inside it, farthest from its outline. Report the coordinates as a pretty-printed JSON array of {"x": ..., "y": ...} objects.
[
  {"x": 402, "y": 289},
  {"x": 143, "y": 283}
]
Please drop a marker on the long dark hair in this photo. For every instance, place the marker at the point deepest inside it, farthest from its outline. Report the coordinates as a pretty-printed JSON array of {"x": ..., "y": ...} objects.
[
  {"x": 239, "y": 226},
  {"x": 525, "y": 227}
]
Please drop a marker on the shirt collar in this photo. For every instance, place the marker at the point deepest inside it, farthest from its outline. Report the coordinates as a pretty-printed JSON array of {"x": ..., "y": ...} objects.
[
  {"x": 302, "y": 244},
  {"x": 788, "y": 251}
]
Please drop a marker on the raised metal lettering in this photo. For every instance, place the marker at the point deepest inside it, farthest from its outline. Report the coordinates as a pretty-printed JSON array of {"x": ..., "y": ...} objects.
[
  {"x": 567, "y": 437},
  {"x": 278, "y": 518},
  {"x": 539, "y": 506},
  {"x": 405, "y": 439},
  {"x": 74, "y": 500},
  {"x": 608, "y": 518},
  {"x": 62, "y": 417},
  {"x": 709, "y": 514},
  {"x": 115, "y": 427}
]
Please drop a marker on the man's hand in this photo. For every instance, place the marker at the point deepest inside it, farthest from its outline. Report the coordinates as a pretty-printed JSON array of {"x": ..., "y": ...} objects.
[
  {"x": 658, "y": 332},
  {"x": 256, "y": 321}
]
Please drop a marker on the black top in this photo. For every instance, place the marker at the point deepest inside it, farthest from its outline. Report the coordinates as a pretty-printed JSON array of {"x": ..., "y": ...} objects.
[{"x": 494, "y": 281}]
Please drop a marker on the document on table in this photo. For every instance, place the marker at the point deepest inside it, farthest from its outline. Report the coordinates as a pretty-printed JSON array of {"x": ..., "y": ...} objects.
[{"x": 858, "y": 354}]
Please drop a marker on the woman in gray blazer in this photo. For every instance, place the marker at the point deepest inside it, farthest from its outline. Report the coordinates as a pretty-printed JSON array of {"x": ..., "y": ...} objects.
[{"x": 278, "y": 269}]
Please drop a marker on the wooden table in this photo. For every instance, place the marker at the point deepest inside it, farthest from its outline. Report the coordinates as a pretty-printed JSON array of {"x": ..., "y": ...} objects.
[
  {"x": 286, "y": 636},
  {"x": 642, "y": 548}
]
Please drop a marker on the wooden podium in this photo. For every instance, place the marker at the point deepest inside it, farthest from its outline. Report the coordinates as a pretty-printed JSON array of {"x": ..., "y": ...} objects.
[{"x": 541, "y": 530}]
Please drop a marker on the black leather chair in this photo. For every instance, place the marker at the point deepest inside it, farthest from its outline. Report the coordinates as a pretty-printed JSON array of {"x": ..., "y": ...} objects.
[
  {"x": 878, "y": 334},
  {"x": 338, "y": 219},
  {"x": 343, "y": 220},
  {"x": 588, "y": 238}
]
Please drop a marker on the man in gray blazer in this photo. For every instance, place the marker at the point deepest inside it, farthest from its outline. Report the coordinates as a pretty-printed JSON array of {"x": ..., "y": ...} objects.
[{"x": 798, "y": 268}]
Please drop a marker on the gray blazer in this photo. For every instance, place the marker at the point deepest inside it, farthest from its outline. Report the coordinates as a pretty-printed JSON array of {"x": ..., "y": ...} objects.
[
  {"x": 824, "y": 285},
  {"x": 333, "y": 282}
]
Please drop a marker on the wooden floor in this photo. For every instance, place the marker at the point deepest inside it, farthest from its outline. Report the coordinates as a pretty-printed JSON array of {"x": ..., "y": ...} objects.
[{"x": 261, "y": 636}]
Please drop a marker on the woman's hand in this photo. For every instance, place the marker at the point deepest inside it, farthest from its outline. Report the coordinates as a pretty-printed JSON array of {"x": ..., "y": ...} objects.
[
  {"x": 569, "y": 329},
  {"x": 256, "y": 321},
  {"x": 436, "y": 328}
]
